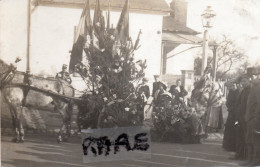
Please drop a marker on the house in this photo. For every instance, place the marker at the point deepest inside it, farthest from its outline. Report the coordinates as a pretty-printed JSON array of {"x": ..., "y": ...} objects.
[
  {"x": 52, "y": 31},
  {"x": 164, "y": 37},
  {"x": 178, "y": 43}
]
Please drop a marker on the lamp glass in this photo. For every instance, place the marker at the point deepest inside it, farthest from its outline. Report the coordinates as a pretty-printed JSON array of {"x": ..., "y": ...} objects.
[{"x": 208, "y": 17}]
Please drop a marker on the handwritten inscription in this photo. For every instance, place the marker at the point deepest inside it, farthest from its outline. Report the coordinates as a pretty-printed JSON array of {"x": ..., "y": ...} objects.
[
  {"x": 103, "y": 145},
  {"x": 118, "y": 143}
]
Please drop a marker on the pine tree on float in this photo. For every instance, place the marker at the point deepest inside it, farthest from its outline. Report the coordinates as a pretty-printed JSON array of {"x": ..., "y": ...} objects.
[{"x": 104, "y": 57}]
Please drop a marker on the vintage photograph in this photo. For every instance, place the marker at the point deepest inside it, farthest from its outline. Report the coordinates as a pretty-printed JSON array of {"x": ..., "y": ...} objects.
[{"x": 130, "y": 83}]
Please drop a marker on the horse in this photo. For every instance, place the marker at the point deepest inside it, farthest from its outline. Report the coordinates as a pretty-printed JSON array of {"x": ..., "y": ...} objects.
[{"x": 17, "y": 93}]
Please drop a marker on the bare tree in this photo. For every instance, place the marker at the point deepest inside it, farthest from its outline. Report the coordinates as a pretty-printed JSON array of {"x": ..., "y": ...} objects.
[
  {"x": 230, "y": 57},
  {"x": 242, "y": 68}
]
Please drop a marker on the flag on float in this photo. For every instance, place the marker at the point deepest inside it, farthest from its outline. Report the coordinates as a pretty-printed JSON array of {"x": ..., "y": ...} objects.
[
  {"x": 88, "y": 21},
  {"x": 82, "y": 35},
  {"x": 99, "y": 25},
  {"x": 108, "y": 16},
  {"x": 123, "y": 24}
]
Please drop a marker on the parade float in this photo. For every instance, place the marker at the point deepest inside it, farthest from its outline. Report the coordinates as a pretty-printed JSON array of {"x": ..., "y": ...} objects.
[
  {"x": 104, "y": 57},
  {"x": 109, "y": 67}
]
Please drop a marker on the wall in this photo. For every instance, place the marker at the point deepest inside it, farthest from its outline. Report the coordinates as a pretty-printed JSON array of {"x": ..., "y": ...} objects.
[
  {"x": 182, "y": 61},
  {"x": 52, "y": 31}
]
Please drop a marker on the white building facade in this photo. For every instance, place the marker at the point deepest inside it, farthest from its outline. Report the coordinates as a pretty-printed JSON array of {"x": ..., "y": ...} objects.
[{"x": 52, "y": 31}]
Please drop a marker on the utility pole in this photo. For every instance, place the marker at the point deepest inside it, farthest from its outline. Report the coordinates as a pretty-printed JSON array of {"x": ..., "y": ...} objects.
[
  {"x": 214, "y": 72},
  {"x": 28, "y": 36},
  {"x": 207, "y": 18},
  {"x": 205, "y": 51}
]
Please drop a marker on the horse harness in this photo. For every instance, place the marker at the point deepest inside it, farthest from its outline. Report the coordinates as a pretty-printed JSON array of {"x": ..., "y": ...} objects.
[
  {"x": 26, "y": 81},
  {"x": 7, "y": 76}
]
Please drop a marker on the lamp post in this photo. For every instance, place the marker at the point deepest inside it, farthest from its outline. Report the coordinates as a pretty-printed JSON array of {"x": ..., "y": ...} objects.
[
  {"x": 214, "y": 47},
  {"x": 207, "y": 18},
  {"x": 28, "y": 37}
]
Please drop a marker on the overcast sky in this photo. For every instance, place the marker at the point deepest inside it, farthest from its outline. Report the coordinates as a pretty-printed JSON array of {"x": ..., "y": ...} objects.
[{"x": 240, "y": 19}]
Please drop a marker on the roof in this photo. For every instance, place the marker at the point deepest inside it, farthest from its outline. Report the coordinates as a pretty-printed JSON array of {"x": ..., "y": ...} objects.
[
  {"x": 171, "y": 25},
  {"x": 179, "y": 38},
  {"x": 146, "y": 6}
]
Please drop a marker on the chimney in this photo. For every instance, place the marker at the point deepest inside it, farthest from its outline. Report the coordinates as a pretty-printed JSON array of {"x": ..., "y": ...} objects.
[{"x": 179, "y": 11}]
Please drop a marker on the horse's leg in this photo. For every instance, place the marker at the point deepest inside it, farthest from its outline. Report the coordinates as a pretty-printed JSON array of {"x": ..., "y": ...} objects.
[
  {"x": 13, "y": 122},
  {"x": 20, "y": 124},
  {"x": 58, "y": 108},
  {"x": 63, "y": 109},
  {"x": 13, "y": 111},
  {"x": 63, "y": 126},
  {"x": 69, "y": 111},
  {"x": 19, "y": 131},
  {"x": 60, "y": 134},
  {"x": 79, "y": 120},
  {"x": 67, "y": 114}
]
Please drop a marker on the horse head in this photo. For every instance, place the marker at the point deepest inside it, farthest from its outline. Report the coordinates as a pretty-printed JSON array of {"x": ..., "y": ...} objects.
[{"x": 3, "y": 66}]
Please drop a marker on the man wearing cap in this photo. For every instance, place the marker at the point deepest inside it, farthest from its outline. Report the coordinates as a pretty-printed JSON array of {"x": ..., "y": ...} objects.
[
  {"x": 64, "y": 75},
  {"x": 252, "y": 118},
  {"x": 143, "y": 93}
]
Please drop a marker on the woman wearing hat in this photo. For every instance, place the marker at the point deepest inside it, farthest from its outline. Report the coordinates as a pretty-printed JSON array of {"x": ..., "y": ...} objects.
[
  {"x": 143, "y": 88},
  {"x": 161, "y": 89},
  {"x": 230, "y": 133},
  {"x": 178, "y": 91},
  {"x": 240, "y": 117}
]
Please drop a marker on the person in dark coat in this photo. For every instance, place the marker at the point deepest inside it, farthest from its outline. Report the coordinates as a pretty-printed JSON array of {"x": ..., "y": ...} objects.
[
  {"x": 252, "y": 118},
  {"x": 230, "y": 130},
  {"x": 156, "y": 85},
  {"x": 143, "y": 88},
  {"x": 161, "y": 90},
  {"x": 240, "y": 117},
  {"x": 178, "y": 92}
]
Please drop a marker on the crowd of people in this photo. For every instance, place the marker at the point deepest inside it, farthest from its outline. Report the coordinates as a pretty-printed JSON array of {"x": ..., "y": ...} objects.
[
  {"x": 173, "y": 120},
  {"x": 177, "y": 92},
  {"x": 167, "y": 108},
  {"x": 243, "y": 102},
  {"x": 242, "y": 128}
]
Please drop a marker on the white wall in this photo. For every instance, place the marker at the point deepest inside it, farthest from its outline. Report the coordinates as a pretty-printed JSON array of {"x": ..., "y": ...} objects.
[
  {"x": 12, "y": 30},
  {"x": 52, "y": 31},
  {"x": 182, "y": 61}
]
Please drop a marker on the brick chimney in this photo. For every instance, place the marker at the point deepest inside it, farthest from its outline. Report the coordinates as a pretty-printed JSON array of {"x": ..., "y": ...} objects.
[{"x": 179, "y": 11}]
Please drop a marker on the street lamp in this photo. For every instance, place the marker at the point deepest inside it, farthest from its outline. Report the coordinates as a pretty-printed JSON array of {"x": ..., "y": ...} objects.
[
  {"x": 207, "y": 18},
  {"x": 214, "y": 46}
]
